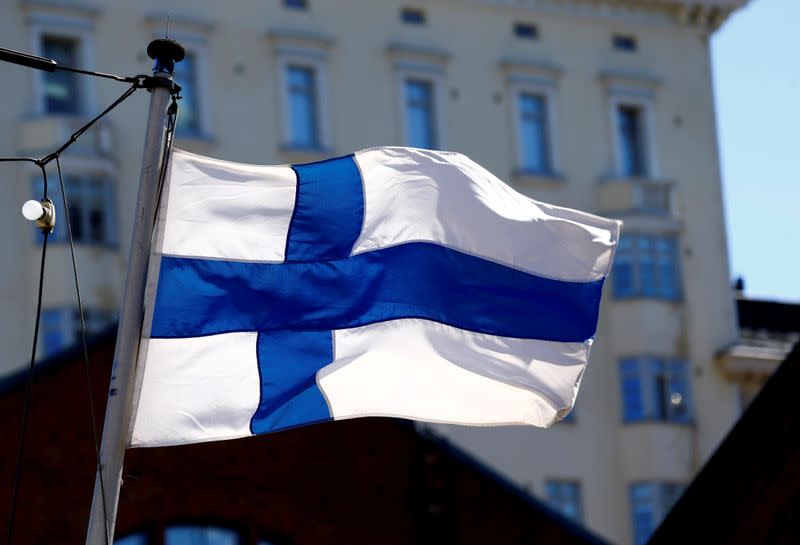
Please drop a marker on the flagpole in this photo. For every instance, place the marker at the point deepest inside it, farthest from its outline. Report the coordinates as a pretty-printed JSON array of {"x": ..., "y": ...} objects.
[{"x": 117, "y": 419}]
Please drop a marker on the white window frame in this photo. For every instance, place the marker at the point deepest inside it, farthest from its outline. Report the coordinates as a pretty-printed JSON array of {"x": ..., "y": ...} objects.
[
  {"x": 550, "y": 130},
  {"x": 72, "y": 27},
  {"x": 414, "y": 63},
  {"x": 319, "y": 69},
  {"x": 436, "y": 84},
  {"x": 535, "y": 78},
  {"x": 308, "y": 50},
  {"x": 638, "y": 91}
]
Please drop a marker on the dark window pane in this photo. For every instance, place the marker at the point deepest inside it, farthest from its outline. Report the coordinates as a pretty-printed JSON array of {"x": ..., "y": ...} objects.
[
  {"x": 533, "y": 127},
  {"x": 53, "y": 330},
  {"x": 61, "y": 94},
  {"x": 296, "y": 4},
  {"x": 420, "y": 114},
  {"x": 631, "y": 388},
  {"x": 623, "y": 42},
  {"x": 412, "y": 16},
  {"x": 133, "y": 539},
  {"x": 631, "y": 141},
  {"x": 188, "y": 106},
  {"x": 198, "y": 535},
  {"x": 303, "y": 117},
  {"x": 526, "y": 31},
  {"x": 76, "y": 221},
  {"x": 565, "y": 497},
  {"x": 643, "y": 512}
]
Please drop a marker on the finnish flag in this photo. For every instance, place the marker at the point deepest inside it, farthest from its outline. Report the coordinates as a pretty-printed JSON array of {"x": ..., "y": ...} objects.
[{"x": 391, "y": 282}]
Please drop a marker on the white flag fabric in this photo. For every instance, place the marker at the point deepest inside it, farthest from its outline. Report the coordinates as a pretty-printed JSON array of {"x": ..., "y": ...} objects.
[{"x": 390, "y": 282}]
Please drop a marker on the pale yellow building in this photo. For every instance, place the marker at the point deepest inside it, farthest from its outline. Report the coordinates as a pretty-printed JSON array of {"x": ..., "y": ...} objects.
[{"x": 601, "y": 105}]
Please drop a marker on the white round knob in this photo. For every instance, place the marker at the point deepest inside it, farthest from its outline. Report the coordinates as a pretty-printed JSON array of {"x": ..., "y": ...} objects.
[{"x": 32, "y": 210}]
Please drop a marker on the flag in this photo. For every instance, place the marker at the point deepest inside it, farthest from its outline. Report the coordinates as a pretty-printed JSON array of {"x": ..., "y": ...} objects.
[{"x": 390, "y": 282}]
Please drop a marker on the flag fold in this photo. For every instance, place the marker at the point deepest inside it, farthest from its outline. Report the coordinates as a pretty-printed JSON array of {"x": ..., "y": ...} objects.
[{"x": 390, "y": 282}]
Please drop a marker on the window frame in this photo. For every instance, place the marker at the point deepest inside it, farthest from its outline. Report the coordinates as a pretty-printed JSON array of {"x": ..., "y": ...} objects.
[
  {"x": 318, "y": 64},
  {"x": 645, "y": 106},
  {"x": 85, "y": 179},
  {"x": 556, "y": 503},
  {"x": 548, "y": 96},
  {"x": 436, "y": 81},
  {"x": 525, "y": 77},
  {"x": 632, "y": 256},
  {"x": 69, "y": 325},
  {"x": 410, "y": 62},
  {"x": 432, "y": 112},
  {"x": 646, "y": 370},
  {"x": 79, "y": 29},
  {"x": 658, "y": 494},
  {"x": 196, "y": 44}
]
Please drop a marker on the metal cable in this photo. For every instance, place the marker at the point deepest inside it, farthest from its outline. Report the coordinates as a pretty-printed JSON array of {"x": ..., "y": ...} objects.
[
  {"x": 92, "y": 418},
  {"x": 41, "y": 163},
  {"x": 28, "y": 387}
]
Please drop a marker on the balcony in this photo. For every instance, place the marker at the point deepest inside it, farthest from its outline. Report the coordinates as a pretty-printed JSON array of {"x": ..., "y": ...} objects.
[
  {"x": 39, "y": 135},
  {"x": 642, "y": 197}
]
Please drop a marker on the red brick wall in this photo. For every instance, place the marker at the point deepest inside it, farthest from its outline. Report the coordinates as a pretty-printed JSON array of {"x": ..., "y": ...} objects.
[{"x": 365, "y": 481}]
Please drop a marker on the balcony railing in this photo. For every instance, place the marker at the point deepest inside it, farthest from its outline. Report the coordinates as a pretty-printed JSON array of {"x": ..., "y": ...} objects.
[{"x": 637, "y": 196}]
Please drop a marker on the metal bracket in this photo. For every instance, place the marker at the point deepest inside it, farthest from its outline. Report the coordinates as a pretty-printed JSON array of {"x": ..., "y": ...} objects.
[{"x": 47, "y": 221}]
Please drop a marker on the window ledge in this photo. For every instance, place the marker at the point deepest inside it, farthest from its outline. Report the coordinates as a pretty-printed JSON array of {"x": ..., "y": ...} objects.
[
  {"x": 650, "y": 422},
  {"x": 305, "y": 154},
  {"x": 644, "y": 298},
  {"x": 644, "y": 180},
  {"x": 529, "y": 178}
]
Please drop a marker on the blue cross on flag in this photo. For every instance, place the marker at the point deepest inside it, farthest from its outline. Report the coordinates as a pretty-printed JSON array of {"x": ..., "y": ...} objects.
[{"x": 391, "y": 282}]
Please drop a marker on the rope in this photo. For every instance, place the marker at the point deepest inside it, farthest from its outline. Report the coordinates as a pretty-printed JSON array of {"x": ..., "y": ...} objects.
[{"x": 92, "y": 418}]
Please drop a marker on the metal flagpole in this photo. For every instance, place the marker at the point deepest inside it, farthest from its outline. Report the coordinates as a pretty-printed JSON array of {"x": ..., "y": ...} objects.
[{"x": 118, "y": 410}]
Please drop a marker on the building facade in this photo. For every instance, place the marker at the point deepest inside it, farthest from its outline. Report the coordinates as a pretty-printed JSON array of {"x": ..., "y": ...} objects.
[{"x": 598, "y": 105}]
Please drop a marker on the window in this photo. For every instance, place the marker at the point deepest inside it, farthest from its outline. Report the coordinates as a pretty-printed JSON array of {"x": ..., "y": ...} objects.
[
  {"x": 199, "y": 535},
  {"x": 296, "y": 4},
  {"x": 91, "y": 208},
  {"x": 631, "y": 140},
  {"x": 420, "y": 114},
  {"x": 189, "y": 121},
  {"x": 526, "y": 31},
  {"x": 61, "y": 327},
  {"x": 132, "y": 539},
  {"x": 622, "y": 42},
  {"x": 302, "y": 104},
  {"x": 187, "y": 535},
  {"x": 565, "y": 497},
  {"x": 655, "y": 389},
  {"x": 61, "y": 91},
  {"x": 412, "y": 16},
  {"x": 533, "y": 133},
  {"x": 650, "y": 502},
  {"x": 647, "y": 266}
]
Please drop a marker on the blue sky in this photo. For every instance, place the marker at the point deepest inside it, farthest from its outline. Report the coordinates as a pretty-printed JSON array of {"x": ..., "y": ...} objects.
[{"x": 756, "y": 65}]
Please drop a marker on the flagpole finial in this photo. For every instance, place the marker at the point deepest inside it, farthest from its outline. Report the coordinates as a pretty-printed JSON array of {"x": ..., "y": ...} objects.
[{"x": 165, "y": 53}]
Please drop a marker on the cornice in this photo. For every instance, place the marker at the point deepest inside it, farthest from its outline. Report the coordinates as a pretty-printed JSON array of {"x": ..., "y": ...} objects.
[{"x": 702, "y": 15}]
